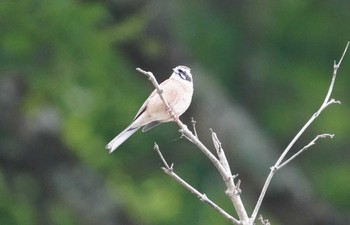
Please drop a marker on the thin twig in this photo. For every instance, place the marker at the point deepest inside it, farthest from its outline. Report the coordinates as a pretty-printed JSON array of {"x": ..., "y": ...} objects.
[
  {"x": 335, "y": 70},
  {"x": 194, "y": 126},
  {"x": 220, "y": 151},
  {"x": 169, "y": 170},
  {"x": 184, "y": 135},
  {"x": 263, "y": 221},
  {"x": 156, "y": 147},
  {"x": 313, "y": 142},
  {"x": 327, "y": 102},
  {"x": 227, "y": 178}
]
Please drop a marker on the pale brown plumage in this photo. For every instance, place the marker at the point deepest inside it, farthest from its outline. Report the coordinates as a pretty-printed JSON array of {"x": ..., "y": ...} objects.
[{"x": 177, "y": 91}]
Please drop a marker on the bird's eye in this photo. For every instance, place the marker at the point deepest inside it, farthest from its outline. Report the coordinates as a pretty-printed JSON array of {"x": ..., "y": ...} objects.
[{"x": 183, "y": 74}]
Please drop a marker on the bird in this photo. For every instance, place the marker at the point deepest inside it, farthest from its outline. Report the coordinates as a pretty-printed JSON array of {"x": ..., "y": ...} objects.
[{"x": 177, "y": 91}]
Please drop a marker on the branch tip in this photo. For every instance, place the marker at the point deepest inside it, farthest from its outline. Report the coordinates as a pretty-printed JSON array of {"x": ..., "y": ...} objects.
[
  {"x": 238, "y": 183},
  {"x": 235, "y": 176},
  {"x": 336, "y": 101},
  {"x": 324, "y": 136},
  {"x": 193, "y": 121},
  {"x": 343, "y": 55},
  {"x": 155, "y": 146},
  {"x": 263, "y": 221},
  {"x": 333, "y": 101},
  {"x": 194, "y": 126},
  {"x": 238, "y": 189},
  {"x": 216, "y": 141},
  {"x": 335, "y": 65}
]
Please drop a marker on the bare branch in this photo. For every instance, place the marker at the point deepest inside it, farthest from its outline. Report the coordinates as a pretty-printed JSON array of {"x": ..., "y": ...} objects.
[
  {"x": 220, "y": 151},
  {"x": 263, "y": 221},
  {"x": 327, "y": 102},
  {"x": 194, "y": 126},
  {"x": 169, "y": 170},
  {"x": 304, "y": 149},
  {"x": 156, "y": 147},
  {"x": 344, "y": 52},
  {"x": 221, "y": 164},
  {"x": 227, "y": 177},
  {"x": 184, "y": 135},
  {"x": 335, "y": 70}
]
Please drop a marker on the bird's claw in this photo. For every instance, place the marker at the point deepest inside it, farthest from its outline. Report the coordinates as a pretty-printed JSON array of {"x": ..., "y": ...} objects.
[{"x": 172, "y": 114}]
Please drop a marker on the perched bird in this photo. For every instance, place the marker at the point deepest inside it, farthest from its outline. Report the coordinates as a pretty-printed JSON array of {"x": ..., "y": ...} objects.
[{"x": 177, "y": 91}]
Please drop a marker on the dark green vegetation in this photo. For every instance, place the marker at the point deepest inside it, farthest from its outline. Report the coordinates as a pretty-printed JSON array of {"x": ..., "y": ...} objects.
[{"x": 68, "y": 84}]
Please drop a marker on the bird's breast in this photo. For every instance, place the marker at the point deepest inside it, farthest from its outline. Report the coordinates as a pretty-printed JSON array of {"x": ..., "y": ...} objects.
[{"x": 179, "y": 96}]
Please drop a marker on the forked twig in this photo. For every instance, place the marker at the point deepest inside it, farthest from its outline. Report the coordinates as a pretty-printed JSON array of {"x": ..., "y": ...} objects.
[
  {"x": 263, "y": 221},
  {"x": 169, "y": 170},
  {"x": 226, "y": 176},
  {"x": 304, "y": 149},
  {"x": 221, "y": 164},
  {"x": 327, "y": 102}
]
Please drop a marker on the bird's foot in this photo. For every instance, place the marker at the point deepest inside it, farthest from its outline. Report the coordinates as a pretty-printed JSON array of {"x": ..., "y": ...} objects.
[
  {"x": 172, "y": 114},
  {"x": 175, "y": 117}
]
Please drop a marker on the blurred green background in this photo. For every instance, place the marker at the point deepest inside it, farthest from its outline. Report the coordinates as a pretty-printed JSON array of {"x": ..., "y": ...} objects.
[{"x": 261, "y": 68}]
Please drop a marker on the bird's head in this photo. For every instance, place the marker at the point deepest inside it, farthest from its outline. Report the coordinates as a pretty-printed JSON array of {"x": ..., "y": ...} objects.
[{"x": 183, "y": 73}]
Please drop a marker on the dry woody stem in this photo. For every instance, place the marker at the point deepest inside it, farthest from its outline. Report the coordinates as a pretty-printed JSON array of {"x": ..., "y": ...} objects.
[
  {"x": 279, "y": 164},
  {"x": 220, "y": 162}
]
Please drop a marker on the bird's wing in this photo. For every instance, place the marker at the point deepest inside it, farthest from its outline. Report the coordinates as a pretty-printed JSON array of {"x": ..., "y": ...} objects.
[
  {"x": 144, "y": 105},
  {"x": 142, "y": 109},
  {"x": 149, "y": 126}
]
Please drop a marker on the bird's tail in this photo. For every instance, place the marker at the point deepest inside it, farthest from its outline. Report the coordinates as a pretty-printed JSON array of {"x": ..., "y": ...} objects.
[{"x": 118, "y": 140}]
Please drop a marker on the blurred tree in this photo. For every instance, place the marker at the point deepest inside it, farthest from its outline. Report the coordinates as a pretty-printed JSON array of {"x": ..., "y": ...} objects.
[{"x": 68, "y": 85}]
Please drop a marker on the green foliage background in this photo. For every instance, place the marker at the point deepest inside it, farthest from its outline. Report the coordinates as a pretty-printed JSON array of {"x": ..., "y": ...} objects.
[{"x": 78, "y": 58}]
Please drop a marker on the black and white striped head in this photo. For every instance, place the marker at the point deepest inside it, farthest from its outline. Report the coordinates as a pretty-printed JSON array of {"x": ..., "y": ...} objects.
[{"x": 183, "y": 73}]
